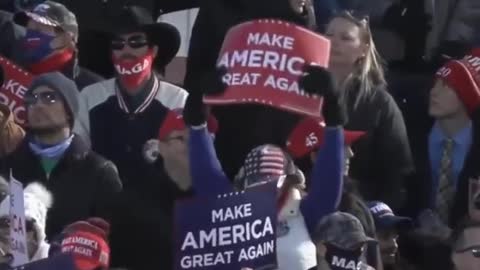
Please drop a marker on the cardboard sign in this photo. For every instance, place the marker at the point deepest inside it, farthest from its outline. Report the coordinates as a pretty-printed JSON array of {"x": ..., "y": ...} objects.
[
  {"x": 230, "y": 231},
  {"x": 18, "y": 231},
  {"x": 13, "y": 89},
  {"x": 264, "y": 60},
  {"x": 60, "y": 262}
]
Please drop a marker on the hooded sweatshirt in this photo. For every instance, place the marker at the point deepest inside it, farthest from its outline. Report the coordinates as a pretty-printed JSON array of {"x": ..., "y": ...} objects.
[
  {"x": 295, "y": 250},
  {"x": 37, "y": 200}
]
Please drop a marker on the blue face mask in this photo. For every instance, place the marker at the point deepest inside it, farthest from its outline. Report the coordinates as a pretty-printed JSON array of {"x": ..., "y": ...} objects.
[{"x": 36, "y": 46}]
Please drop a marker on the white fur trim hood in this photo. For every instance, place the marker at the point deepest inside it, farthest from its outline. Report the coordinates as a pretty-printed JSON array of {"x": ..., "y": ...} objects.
[{"x": 37, "y": 201}]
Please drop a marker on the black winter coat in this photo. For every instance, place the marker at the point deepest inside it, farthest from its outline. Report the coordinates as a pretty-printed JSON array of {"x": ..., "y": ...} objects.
[
  {"x": 83, "y": 184},
  {"x": 382, "y": 158}
]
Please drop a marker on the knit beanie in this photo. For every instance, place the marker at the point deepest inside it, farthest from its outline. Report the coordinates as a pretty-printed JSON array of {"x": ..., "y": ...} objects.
[
  {"x": 37, "y": 201},
  {"x": 63, "y": 85},
  {"x": 88, "y": 242},
  {"x": 463, "y": 76}
]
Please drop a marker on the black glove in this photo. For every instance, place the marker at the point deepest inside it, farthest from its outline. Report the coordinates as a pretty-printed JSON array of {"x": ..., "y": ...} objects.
[
  {"x": 317, "y": 80},
  {"x": 195, "y": 112}
]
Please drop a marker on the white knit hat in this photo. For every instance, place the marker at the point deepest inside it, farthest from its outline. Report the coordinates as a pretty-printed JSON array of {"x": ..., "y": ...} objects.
[{"x": 37, "y": 201}]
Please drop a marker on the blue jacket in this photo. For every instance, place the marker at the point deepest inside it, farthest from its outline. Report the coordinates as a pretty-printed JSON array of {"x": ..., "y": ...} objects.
[{"x": 208, "y": 178}]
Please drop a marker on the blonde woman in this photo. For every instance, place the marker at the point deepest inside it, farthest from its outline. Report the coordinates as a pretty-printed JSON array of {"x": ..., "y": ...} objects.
[{"x": 383, "y": 156}]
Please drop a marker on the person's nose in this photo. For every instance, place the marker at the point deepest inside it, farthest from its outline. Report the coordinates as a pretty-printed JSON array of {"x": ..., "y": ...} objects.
[{"x": 127, "y": 49}]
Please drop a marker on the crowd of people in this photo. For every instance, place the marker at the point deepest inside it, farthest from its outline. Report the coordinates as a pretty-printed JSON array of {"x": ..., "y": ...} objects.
[{"x": 386, "y": 177}]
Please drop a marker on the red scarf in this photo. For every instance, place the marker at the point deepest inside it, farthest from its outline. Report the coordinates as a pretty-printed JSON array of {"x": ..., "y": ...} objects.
[
  {"x": 55, "y": 62},
  {"x": 132, "y": 73}
]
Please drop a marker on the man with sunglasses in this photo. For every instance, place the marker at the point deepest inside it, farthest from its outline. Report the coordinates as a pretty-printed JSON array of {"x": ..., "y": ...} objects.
[
  {"x": 119, "y": 116},
  {"x": 83, "y": 183},
  {"x": 50, "y": 43},
  {"x": 466, "y": 246}
]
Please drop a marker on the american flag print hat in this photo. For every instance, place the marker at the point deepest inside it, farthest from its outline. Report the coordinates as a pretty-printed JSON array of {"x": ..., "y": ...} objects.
[{"x": 264, "y": 163}]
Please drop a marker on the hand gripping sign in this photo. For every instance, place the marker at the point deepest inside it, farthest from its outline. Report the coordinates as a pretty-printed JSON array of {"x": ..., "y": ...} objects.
[
  {"x": 18, "y": 231},
  {"x": 15, "y": 85},
  {"x": 231, "y": 231},
  {"x": 264, "y": 60}
]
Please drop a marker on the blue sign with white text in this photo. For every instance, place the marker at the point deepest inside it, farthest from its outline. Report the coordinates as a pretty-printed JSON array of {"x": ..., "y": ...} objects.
[
  {"x": 230, "y": 231},
  {"x": 57, "y": 262}
]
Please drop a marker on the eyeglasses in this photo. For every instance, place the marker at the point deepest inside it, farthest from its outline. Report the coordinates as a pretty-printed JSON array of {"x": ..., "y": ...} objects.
[
  {"x": 134, "y": 42},
  {"x": 475, "y": 250},
  {"x": 45, "y": 97}
]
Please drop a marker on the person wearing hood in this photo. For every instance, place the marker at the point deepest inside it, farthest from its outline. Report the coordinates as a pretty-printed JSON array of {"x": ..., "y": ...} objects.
[
  {"x": 297, "y": 215},
  {"x": 50, "y": 43},
  {"x": 37, "y": 201},
  {"x": 83, "y": 183}
]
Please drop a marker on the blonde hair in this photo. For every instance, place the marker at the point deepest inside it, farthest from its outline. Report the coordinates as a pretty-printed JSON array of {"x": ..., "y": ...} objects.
[{"x": 368, "y": 71}]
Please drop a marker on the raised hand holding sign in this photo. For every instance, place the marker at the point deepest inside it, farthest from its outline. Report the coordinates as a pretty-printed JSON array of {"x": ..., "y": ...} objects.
[
  {"x": 230, "y": 231},
  {"x": 265, "y": 59}
]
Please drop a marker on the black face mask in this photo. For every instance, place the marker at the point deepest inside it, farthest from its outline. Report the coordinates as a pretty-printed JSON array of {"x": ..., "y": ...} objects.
[{"x": 340, "y": 259}]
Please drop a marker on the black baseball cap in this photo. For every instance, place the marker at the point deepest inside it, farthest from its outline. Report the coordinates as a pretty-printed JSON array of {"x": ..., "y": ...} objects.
[{"x": 385, "y": 218}]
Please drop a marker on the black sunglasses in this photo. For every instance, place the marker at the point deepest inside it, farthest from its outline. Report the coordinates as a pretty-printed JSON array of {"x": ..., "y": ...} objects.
[
  {"x": 475, "y": 250},
  {"x": 134, "y": 42},
  {"x": 45, "y": 97}
]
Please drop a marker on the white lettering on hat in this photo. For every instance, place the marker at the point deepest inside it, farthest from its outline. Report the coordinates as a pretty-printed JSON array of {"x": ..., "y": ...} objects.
[
  {"x": 41, "y": 8},
  {"x": 343, "y": 263},
  {"x": 83, "y": 251},
  {"x": 474, "y": 61},
  {"x": 311, "y": 140},
  {"x": 444, "y": 72},
  {"x": 80, "y": 240},
  {"x": 134, "y": 70},
  {"x": 380, "y": 208}
]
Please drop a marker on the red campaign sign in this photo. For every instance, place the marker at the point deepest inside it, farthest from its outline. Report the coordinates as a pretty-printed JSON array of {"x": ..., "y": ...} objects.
[
  {"x": 264, "y": 60},
  {"x": 13, "y": 89}
]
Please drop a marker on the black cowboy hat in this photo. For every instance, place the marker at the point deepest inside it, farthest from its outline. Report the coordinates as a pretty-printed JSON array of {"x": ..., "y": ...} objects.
[{"x": 135, "y": 18}]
